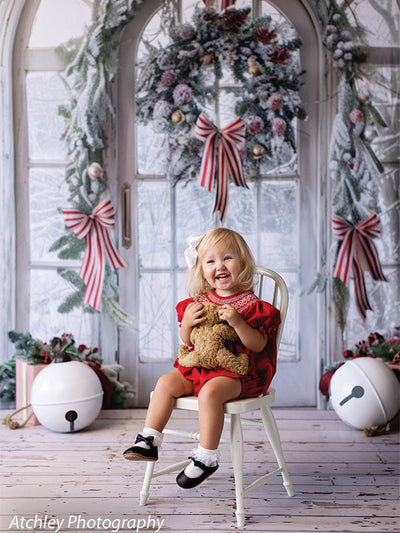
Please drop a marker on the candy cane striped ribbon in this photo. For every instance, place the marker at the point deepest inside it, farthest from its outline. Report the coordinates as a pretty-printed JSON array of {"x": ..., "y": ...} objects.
[
  {"x": 224, "y": 3},
  {"x": 99, "y": 247},
  {"x": 358, "y": 253},
  {"x": 229, "y": 162}
]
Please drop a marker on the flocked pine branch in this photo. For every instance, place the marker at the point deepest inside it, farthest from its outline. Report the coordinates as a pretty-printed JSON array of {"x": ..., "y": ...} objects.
[
  {"x": 87, "y": 116},
  {"x": 353, "y": 165}
]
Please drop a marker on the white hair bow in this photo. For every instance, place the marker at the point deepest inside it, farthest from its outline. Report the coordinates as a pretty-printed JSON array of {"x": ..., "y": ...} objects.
[{"x": 191, "y": 251}]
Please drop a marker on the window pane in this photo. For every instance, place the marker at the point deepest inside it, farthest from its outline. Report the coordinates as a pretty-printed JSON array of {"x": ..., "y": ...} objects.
[
  {"x": 152, "y": 34},
  {"x": 152, "y": 150},
  {"x": 188, "y": 10},
  {"x": 193, "y": 215},
  {"x": 284, "y": 26},
  {"x": 286, "y": 164},
  {"x": 279, "y": 228},
  {"x": 156, "y": 308},
  {"x": 154, "y": 224},
  {"x": 381, "y": 19},
  {"x": 241, "y": 215},
  {"x": 388, "y": 244},
  {"x": 385, "y": 304},
  {"x": 383, "y": 88},
  {"x": 181, "y": 290},
  {"x": 48, "y": 191},
  {"x": 289, "y": 350},
  {"x": 48, "y": 291},
  {"x": 58, "y": 21},
  {"x": 45, "y": 92}
]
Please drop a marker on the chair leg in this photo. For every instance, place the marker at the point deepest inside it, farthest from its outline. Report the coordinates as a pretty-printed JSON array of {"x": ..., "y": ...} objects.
[
  {"x": 144, "y": 493},
  {"x": 236, "y": 441},
  {"x": 272, "y": 432}
]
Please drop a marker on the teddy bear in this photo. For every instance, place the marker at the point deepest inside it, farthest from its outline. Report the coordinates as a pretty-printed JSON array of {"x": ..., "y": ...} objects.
[{"x": 208, "y": 339}]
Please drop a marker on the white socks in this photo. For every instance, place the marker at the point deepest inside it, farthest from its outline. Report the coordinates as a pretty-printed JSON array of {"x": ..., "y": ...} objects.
[
  {"x": 207, "y": 457},
  {"x": 150, "y": 432}
]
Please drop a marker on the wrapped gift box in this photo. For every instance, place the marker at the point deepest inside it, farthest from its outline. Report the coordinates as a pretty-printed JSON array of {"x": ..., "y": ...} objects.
[{"x": 25, "y": 375}]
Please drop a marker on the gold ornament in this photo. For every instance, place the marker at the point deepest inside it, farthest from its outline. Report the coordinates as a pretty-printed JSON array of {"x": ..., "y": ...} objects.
[
  {"x": 177, "y": 116},
  {"x": 207, "y": 59},
  {"x": 258, "y": 151},
  {"x": 253, "y": 70}
]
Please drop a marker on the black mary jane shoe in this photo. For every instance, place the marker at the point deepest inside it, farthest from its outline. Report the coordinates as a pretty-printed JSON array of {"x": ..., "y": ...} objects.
[
  {"x": 189, "y": 482},
  {"x": 138, "y": 453}
]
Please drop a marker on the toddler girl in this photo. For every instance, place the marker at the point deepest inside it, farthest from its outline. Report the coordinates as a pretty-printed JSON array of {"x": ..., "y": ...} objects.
[{"x": 221, "y": 272}]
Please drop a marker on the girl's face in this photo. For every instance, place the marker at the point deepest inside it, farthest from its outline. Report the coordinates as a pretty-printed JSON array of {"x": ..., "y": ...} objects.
[{"x": 221, "y": 268}]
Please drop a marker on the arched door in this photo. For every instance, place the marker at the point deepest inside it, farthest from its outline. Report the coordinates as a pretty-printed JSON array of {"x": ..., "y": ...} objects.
[{"x": 278, "y": 216}]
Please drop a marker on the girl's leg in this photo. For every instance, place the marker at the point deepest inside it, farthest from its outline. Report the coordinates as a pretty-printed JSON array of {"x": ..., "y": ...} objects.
[
  {"x": 212, "y": 397},
  {"x": 169, "y": 387}
]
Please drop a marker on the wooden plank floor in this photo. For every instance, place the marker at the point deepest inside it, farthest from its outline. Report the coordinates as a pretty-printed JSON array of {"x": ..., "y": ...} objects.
[{"x": 344, "y": 481}]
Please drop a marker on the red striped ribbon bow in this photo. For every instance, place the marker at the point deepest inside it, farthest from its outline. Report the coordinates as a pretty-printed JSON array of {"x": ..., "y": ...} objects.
[
  {"x": 229, "y": 161},
  {"x": 99, "y": 247},
  {"x": 358, "y": 253},
  {"x": 224, "y": 3}
]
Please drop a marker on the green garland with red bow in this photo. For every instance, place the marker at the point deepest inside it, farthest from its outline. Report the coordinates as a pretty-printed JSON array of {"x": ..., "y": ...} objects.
[{"x": 354, "y": 169}]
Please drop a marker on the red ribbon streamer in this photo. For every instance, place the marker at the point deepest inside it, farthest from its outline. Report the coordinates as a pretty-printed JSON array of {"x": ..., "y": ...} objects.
[
  {"x": 99, "y": 247},
  {"x": 358, "y": 253},
  {"x": 229, "y": 161}
]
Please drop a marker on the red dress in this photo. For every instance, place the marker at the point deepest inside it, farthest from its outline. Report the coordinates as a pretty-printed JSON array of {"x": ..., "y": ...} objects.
[{"x": 260, "y": 315}]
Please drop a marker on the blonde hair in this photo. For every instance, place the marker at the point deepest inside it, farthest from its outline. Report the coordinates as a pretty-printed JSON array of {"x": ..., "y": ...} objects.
[{"x": 198, "y": 285}]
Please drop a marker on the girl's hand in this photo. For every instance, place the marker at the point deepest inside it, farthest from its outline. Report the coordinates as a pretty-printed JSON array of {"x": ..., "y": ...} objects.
[
  {"x": 192, "y": 316},
  {"x": 250, "y": 337},
  {"x": 230, "y": 315}
]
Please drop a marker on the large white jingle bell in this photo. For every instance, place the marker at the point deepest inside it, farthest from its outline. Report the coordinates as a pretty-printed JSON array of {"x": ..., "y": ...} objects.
[
  {"x": 67, "y": 396},
  {"x": 365, "y": 393}
]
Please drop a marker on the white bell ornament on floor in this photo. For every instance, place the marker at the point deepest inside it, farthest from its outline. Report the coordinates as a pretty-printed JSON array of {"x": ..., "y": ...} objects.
[
  {"x": 66, "y": 396},
  {"x": 365, "y": 392}
]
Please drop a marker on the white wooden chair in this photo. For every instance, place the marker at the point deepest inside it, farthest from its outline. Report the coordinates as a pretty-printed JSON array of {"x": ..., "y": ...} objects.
[{"x": 233, "y": 410}]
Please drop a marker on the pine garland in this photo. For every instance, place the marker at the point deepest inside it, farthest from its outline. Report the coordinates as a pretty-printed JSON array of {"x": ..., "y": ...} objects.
[
  {"x": 353, "y": 165},
  {"x": 89, "y": 76}
]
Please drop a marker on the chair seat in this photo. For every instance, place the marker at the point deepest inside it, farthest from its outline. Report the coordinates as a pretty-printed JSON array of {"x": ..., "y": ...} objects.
[{"x": 244, "y": 405}]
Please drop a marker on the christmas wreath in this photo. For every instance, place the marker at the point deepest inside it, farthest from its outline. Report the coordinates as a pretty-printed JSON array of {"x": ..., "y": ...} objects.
[{"x": 180, "y": 81}]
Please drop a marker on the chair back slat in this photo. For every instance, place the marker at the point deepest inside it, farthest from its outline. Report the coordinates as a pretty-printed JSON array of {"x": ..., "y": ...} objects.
[{"x": 280, "y": 298}]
